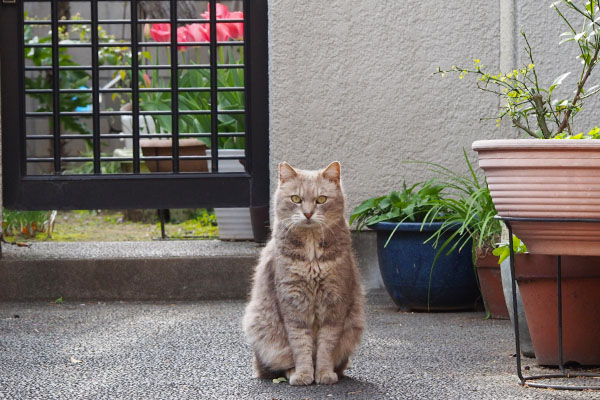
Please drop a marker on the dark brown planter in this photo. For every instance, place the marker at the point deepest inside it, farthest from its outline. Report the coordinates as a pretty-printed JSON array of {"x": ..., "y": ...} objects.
[
  {"x": 536, "y": 275},
  {"x": 490, "y": 283},
  {"x": 163, "y": 147}
]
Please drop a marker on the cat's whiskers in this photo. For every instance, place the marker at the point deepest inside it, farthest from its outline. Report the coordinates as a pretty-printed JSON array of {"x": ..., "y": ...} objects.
[
  {"x": 288, "y": 227},
  {"x": 321, "y": 221},
  {"x": 282, "y": 224}
]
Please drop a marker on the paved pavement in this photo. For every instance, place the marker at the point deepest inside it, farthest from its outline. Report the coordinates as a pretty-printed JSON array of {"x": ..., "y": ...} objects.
[{"x": 196, "y": 350}]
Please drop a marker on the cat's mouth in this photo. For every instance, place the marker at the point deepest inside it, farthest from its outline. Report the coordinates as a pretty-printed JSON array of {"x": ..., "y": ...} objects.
[{"x": 308, "y": 222}]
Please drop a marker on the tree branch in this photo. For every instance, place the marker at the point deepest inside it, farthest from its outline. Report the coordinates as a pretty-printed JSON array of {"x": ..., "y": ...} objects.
[
  {"x": 565, "y": 120},
  {"x": 516, "y": 122}
]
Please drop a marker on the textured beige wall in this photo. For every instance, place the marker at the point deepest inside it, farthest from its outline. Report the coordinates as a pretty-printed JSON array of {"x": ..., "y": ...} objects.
[
  {"x": 543, "y": 26},
  {"x": 350, "y": 80}
]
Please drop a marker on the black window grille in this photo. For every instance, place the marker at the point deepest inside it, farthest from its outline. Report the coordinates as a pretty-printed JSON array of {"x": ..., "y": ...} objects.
[{"x": 134, "y": 104}]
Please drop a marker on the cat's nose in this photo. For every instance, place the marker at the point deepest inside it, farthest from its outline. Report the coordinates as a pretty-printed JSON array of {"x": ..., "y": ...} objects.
[{"x": 308, "y": 215}]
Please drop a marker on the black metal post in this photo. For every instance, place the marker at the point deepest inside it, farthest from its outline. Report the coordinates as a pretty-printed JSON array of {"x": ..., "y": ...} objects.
[
  {"x": 95, "y": 89},
  {"x": 214, "y": 97},
  {"x": 174, "y": 89},
  {"x": 161, "y": 214},
  {"x": 55, "y": 86},
  {"x": 560, "y": 328},
  {"x": 513, "y": 283},
  {"x": 135, "y": 98}
]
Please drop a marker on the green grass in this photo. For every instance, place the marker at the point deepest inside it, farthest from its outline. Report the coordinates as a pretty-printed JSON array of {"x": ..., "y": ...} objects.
[{"x": 109, "y": 225}]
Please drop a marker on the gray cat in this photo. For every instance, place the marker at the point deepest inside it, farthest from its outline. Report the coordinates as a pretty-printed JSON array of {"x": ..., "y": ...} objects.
[{"x": 306, "y": 310}]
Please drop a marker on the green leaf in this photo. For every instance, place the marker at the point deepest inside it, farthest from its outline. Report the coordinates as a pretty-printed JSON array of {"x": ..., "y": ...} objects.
[{"x": 559, "y": 80}]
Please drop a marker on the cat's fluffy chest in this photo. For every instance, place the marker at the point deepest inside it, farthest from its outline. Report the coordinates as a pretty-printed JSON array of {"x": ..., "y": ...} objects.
[
  {"x": 313, "y": 249},
  {"x": 314, "y": 259}
]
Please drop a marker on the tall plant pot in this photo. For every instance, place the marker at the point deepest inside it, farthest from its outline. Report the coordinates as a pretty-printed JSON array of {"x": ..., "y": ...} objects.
[
  {"x": 406, "y": 269},
  {"x": 490, "y": 283},
  {"x": 536, "y": 275},
  {"x": 546, "y": 179},
  {"x": 164, "y": 147}
]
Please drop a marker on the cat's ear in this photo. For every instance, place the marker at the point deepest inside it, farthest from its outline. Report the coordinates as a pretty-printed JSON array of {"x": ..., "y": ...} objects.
[
  {"x": 286, "y": 172},
  {"x": 333, "y": 172}
]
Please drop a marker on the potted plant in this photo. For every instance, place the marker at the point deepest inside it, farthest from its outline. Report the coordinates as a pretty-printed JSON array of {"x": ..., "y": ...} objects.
[
  {"x": 416, "y": 275},
  {"x": 554, "y": 179},
  {"x": 471, "y": 209},
  {"x": 546, "y": 178}
]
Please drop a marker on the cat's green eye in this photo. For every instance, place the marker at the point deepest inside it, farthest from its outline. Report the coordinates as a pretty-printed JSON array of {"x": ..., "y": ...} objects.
[
  {"x": 296, "y": 199},
  {"x": 321, "y": 199}
]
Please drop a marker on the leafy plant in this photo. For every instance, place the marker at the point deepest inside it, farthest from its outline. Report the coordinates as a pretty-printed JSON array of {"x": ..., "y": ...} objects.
[
  {"x": 534, "y": 108},
  {"x": 24, "y": 223},
  {"x": 69, "y": 79},
  {"x": 594, "y": 133},
  {"x": 470, "y": 209},
  {"x": 414, "y": 203},
  {"x": 228, "y": 100},
  {"x": 429, "y": 203},
  {"x": 503, "y": 251}
]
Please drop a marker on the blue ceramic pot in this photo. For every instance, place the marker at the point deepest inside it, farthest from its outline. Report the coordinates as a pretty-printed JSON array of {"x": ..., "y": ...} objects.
[{"x": 405, "y": 266}]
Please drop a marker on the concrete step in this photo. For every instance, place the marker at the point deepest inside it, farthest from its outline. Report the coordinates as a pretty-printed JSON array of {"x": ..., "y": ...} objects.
[
  {"x": 169, "y": 270},
  {"x": 159, "y": 270}
]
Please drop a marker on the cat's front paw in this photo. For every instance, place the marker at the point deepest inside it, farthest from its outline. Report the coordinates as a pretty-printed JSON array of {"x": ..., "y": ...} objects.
[
  {"x": 326, "y": 377},
  {"x": 300, "y": 377}
]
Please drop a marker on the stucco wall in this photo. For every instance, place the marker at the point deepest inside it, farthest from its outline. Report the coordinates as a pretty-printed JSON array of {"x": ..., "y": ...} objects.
[
  {"x": 542, "y": 25},
  {"x": 351, "y": 81}
]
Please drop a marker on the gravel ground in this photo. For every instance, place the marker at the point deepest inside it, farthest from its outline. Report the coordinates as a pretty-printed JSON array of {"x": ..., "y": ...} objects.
[{"x": 196, "y": 350}]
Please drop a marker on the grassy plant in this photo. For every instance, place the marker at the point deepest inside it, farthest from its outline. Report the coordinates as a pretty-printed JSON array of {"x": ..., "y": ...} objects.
[
  {"x": 470, "y": 209},
  {"x": 24, "y": 223},
  {"x": 462, "y": 204}
]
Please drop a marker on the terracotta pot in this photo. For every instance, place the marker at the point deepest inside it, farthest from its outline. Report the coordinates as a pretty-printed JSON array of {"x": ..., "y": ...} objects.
[
  {"x": 163, "y": 147},
  {"x": 490, "y": 283},
  {"x": 536, "y": 275},
  {"x": 547, "y": 179}
]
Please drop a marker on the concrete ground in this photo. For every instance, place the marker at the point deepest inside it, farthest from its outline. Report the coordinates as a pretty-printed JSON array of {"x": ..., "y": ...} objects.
[{"x": 196, "y": 350}]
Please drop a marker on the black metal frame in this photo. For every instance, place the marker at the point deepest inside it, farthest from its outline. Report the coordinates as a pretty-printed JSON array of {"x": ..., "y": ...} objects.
[
  {"x": 525, "y": 380},
  {"x": 158, "y": 190}
]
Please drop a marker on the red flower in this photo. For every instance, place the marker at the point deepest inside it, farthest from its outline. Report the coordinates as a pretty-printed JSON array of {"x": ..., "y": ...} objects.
[
  {"x": 198, "y": 33},
  {"x": 201, "y": 32},
  {"x": 161, "y": 32},
  {"x": 147, "y": 80},
  {"x": 223, "y": 34},
  {"x": 222, "y": 11},
  {"x": 187, "y": 33},
  {"x": 235, "y": 29}
]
